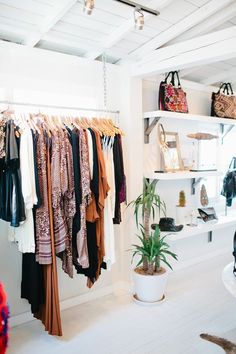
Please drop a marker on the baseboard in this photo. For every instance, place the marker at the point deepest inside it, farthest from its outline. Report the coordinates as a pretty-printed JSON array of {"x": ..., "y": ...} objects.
[{"x": 74, "y": 301}]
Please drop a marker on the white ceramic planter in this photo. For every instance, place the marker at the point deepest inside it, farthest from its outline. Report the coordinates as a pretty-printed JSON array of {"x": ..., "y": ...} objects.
[
  {"x": 150, "y": 288},
  {"x": 181, "y": 215}
]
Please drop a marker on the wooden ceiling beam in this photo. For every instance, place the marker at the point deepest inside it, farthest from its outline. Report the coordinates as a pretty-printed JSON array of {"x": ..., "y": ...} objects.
[
  {"x": 122, "y": 31},
  {"x": 203, "y": 50},
  {"x": 177, "y": 29},
  {"x": 60, "y": 8},
  {"x": 209, "y": 24},
  {"x": 225, "y": 75}
]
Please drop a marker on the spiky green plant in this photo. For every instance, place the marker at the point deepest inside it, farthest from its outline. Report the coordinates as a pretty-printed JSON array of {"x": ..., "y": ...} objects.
[
  {"x": 146, "y": 205},
  {"x": 182, "y": 199},
  {"x": 154, "y": 250}
]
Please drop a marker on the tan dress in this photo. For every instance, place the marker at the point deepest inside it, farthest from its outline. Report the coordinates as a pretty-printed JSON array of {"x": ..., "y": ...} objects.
[{"x": 49, "y": 313}]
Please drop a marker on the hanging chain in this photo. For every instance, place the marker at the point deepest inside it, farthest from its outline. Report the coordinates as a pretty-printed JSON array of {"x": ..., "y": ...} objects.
[{"x": 104, "y": 60}]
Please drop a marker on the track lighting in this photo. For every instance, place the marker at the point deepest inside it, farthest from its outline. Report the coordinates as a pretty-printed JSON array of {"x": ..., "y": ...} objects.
[
  {"x": 138, "y": 18},
  {"x": 88, "y": 6}
]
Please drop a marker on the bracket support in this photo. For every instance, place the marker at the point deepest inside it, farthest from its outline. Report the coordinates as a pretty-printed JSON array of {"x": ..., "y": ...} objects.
[
  {"x": 148, "y": 128},
  {"x": 224, "y": 131},
  {"x": 194, "y": 183},
  {"x": 210, "y": 236}
]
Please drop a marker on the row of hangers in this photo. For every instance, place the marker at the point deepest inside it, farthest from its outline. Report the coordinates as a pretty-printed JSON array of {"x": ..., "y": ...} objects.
[{"x": 55, "y": 123}]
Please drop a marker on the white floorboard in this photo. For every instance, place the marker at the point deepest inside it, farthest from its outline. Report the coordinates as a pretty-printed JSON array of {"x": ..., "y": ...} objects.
[{"x": 196, "y": 302}]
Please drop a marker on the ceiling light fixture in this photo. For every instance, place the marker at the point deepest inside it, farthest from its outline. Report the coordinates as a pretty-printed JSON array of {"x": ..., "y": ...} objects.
[
  {"x": 138, "y": 18},
  {"x": 139, "y": 6},
  {"x": 88, "y": 6}
]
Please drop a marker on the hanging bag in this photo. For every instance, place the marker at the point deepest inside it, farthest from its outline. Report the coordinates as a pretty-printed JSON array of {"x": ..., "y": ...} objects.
[
  {"x": 171, "y": 95},
  {"x": 224, "y": 102}
]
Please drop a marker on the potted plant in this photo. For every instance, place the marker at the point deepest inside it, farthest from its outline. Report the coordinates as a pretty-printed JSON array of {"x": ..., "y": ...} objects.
[
  {"x": 181, "y": 209},
  {"x": 149, "y": 276}
]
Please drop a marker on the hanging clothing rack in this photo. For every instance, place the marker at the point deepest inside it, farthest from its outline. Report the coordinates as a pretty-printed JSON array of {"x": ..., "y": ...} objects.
[{"x": 58, "y": 107}]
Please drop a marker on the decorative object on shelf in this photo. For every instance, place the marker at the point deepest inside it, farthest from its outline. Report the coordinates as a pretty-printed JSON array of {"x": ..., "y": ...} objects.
[
  {"x": 193, "y": 218},
  {"x": 229, "y": 183},
  {"x": 182, "y": 199},
  {"x": 170, "y": 150},
  {"x": 203, "y": 196},
  {"x": 181, "y": 210},
  {"x": 168, "y": 225},
  {"x": 204, "y": 155},
  {"x": 202, "y": 136},
  {"x": 224, "y": 103},
  {"x": 171, "y": 95},
  {"x": 149, "y": 276},
  {"x": 207, "y": 214}
]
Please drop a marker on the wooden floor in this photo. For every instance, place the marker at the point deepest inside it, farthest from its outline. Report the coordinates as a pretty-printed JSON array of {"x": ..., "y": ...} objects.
[{"x": 196, "y": 302}]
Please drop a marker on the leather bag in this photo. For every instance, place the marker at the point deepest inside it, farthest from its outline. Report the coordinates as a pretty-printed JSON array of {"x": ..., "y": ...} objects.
[
  {"x": 171, "y": 95},
  {"x": 224, "y": 102}
]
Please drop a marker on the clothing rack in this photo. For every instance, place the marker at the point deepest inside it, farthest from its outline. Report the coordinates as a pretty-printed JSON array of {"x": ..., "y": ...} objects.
[{"x": 58, "y": 107}]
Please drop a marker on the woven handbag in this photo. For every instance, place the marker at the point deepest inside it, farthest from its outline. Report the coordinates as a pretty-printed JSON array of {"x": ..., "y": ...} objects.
[
  {"x": 171, "y": 95},
  {"x": 224, "y": 102}
]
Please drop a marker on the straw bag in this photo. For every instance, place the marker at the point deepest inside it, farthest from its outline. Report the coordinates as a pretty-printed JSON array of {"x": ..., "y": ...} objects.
[{"x": 224, "y": 102}]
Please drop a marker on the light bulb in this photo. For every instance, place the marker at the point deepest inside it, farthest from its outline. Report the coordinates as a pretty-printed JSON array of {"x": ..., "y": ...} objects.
[
  {"x": 138, "y": 19},
  {"x": 88, "y": 6}
]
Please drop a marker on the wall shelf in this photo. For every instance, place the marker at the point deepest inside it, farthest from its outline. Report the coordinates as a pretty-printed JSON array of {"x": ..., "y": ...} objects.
[
  {"x": 169, "y": 176},
  {"x": 157, "y": 115},
  {"x": 189, "y": 231}
]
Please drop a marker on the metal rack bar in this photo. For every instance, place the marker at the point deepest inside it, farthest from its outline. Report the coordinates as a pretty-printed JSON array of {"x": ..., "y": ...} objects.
[{"x": 57, "y": 107}]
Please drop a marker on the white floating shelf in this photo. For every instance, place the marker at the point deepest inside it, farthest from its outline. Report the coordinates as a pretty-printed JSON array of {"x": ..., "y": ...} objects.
[
  {"x": 168, "y": 176},
  {"x": 189, "y": 231},
  {"x": 188, "y": 116}
]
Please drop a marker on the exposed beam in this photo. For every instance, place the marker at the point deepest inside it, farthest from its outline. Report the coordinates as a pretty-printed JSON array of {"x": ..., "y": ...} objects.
[
  {"x": 188, "y": 22},
  {"x": 188, "y": 45},
  {"x": 198, "y": 51},
  {"x": 60, "y": 8},
  {"x": 186, "y": 72},
  {"x": 222, "y": 76},
  {"x": 123, "y": 30},
  {"x": 209, "y": 24}
]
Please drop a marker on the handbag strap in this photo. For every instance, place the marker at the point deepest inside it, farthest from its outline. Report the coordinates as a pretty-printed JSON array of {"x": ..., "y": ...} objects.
[
  {"x": 170, "y": 73},
  {"x": 224, "y": 87},
  {"x": 230, "y": 88},
  {"x": 227, "y": 88},
  {"x": 175, "y": 74},
  {"x": 234, "y": 254}
]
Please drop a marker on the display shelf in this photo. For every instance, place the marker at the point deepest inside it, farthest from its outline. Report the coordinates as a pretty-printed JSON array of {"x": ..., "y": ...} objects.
[
  {"x": 188, "y": 116},
  {"x": 189, "y": 231},
  {"x": 157, "y": 115},
  {"x": 168, "y": 176}
]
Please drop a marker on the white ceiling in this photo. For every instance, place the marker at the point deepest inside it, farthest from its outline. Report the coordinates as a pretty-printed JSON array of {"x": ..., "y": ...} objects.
[{"x": 61, "y": 25}]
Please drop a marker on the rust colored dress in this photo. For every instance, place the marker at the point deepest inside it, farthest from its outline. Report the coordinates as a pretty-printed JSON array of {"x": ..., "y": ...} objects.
[
  {"x": 49, "y": 312},
  {"x": 103, "y": 190}
]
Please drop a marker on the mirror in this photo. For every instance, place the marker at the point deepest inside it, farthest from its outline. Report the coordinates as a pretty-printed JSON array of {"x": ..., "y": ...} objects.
[{"x": 170, "y": 150}]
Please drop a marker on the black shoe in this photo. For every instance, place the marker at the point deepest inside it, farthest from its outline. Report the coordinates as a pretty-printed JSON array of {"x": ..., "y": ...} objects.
[{"x": 168, "y": 224}]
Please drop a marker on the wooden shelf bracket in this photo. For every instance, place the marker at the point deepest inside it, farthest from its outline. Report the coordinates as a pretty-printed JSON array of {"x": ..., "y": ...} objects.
[{"x": 148, "y": 128}]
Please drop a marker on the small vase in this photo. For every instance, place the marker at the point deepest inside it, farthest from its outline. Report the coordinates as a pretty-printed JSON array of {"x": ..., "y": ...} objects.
[{"x": 181, "y": 215}]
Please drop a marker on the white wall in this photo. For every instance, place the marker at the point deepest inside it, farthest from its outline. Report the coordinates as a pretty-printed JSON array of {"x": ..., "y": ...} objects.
[
  {"x": 34, "y": 75},
  {"x": 39, "y": 76},
  {"x": 199, "y": 102}
]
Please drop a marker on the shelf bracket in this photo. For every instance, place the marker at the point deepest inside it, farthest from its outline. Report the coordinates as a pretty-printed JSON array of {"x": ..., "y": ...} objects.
[
  {"x": 148, "y": 128},
  {"x": 210, "y": 236},
  {"x": 194, "y": 183},
  {"x": 224, "y": 131}
]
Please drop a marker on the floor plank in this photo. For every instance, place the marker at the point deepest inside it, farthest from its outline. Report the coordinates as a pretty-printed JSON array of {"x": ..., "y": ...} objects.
[{"x": 197, "y": 302}]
